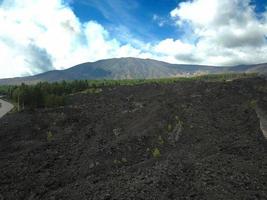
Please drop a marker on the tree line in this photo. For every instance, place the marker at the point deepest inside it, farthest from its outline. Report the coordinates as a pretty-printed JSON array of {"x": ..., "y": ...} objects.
[
  {"x": 42, "y": 94},
  {"x": 46, "y": 94}
]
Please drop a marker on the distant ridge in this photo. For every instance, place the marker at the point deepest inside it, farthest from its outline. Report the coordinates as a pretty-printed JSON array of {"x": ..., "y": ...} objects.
[{"x": 131, "y": 68}]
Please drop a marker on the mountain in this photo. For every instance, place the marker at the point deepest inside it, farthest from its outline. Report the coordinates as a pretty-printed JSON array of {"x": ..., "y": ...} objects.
[{"x": 131, "y": 68}]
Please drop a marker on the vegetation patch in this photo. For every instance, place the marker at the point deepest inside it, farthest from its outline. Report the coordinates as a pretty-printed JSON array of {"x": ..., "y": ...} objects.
[
  {"x": 253, "y": 104},
  {"x": 49, "y": 136},
  {"x": 175, "y": 130},
  {"x": 93, "y": 91},
  {"x": 156, "y": 153},
  {"x": 46, "y": 94},
  {"x": 120, "y": 161},
  {"x": 160, "y": 140}
]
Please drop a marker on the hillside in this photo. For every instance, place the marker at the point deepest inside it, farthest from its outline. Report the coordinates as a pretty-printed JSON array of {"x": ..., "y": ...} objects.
[
  {"x": 130, "y": 68},
  {"x": 185, "y": 140}
]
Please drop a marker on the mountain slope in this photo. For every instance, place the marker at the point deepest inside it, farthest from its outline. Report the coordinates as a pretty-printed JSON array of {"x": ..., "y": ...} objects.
[
  {"x": 186, "y": 140},
  {"x": 130, "y": 68}
]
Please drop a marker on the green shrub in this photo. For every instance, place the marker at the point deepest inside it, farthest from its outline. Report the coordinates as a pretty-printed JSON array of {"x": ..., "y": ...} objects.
[
  {"x": 156, "y": 153},
  {"x": 253, "y": 104},
  {"x": 169, "y": 128},
  {"x": 93, "y": 90},
  {"x": 160, "y": 140},
  {"x": 49, "y": 136}
]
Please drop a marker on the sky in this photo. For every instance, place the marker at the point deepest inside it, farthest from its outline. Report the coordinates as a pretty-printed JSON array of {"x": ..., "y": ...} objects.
[{"x": 41, "y": 35}]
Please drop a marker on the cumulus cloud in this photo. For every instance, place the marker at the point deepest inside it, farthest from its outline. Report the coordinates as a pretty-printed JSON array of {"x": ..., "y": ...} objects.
[
  {"x": 224, "y": 32},
  {"x": 40, "y": 35}
]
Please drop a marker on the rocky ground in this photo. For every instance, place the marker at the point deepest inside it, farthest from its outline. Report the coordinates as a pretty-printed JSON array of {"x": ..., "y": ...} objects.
[{"x": 188, "y": 140}]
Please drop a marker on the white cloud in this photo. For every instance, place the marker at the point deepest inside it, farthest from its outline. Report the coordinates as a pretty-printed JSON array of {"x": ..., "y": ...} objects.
[
  {"x": 199, "y": 11},
  {"x": 161, "y": 21},
  {"x": 177, "y": 47},
  {"x": 226, "y": 32},
  {"x": 40, "y": 35}
]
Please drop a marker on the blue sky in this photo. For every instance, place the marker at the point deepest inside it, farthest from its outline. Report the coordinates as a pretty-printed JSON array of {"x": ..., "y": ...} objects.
[
  {"x": 41, "y": 35},
  {"x": 137, "y": 14},
  {"x": 140, "y": 17}
]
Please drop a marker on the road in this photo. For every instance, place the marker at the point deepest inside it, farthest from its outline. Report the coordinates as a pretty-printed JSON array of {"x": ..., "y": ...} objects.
[{"x": 5, "y": 107}]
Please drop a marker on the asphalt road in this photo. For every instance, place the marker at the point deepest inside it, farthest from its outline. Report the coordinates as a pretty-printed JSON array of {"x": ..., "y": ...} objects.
[{"x": 5, "y": 107}]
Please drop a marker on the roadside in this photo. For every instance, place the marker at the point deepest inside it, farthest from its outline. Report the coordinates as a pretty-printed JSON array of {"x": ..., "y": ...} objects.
[{"x": 263, "y": 121}]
